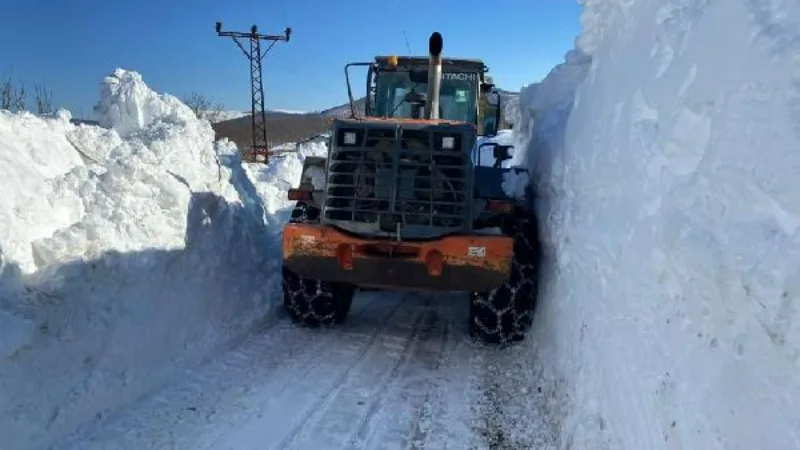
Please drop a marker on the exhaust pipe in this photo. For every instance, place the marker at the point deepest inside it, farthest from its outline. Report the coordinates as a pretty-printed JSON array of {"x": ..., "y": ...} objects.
[{"x": 434, "y": 74}]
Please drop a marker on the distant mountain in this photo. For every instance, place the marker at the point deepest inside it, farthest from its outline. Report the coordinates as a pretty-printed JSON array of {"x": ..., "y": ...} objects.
[{"x": 343, "y": 110}]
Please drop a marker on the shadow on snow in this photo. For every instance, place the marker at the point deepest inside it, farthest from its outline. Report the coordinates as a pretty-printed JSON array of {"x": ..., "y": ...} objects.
[{"x": 93, "y": 335}]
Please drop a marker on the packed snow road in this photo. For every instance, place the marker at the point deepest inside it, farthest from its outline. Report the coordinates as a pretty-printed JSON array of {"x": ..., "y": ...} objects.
[{"x": 400, "y": 373}]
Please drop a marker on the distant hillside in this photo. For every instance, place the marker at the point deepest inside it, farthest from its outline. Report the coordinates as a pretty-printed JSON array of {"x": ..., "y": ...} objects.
[
  {"x": 343, "y": 110},
  {"x": 283, "y": 127},
  {"x": 223, "y": 116}
]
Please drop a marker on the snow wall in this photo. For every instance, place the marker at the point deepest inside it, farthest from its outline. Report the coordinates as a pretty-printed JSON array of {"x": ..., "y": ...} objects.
[
  {"x": 128, "y": 252},
  {"x": 666, "y": 149}
]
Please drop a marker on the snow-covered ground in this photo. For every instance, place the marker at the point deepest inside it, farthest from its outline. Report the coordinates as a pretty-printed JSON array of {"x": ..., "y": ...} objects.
[
  {"x": 669, "y": 182},
  {"x": 400, "y": 373}
]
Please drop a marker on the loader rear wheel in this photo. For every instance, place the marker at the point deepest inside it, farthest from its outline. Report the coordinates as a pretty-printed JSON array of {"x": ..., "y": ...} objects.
[
  {"x": 504, "y": 314},
  {"x": 314, "y": 302},
  {"x": 303, "y": 212},
  {"x": 309, "y": 301}
]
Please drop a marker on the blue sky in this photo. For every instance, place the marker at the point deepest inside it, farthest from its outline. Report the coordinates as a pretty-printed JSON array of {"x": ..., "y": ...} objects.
[{"x": 72, "y": 45}]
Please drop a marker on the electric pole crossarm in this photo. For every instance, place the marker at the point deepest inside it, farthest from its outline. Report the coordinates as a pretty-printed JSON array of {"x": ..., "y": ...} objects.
[{"x": 239, "y": 44}]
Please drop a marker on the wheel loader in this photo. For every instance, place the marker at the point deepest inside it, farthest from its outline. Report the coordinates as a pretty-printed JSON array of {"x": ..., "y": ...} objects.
[{"x": 402, "y": 202}]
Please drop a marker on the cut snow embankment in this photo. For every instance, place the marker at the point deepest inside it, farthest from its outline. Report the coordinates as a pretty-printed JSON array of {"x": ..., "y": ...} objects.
[
  {"x": 670, "y": 203},
  {"x": 127, "y": 253}
]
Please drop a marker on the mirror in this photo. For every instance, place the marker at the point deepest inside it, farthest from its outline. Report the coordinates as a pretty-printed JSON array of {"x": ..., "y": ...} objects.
[
  {"x": 503, "y": 152},
  {"x": 479, "y": 152},
  {"x": 500, "y": 153},
  {"x": 487, "y": 85},
  {"x": 491, "y": 108}
]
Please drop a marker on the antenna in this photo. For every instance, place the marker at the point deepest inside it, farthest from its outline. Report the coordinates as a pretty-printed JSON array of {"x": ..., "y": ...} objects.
[{"x": 258, "y": 113}]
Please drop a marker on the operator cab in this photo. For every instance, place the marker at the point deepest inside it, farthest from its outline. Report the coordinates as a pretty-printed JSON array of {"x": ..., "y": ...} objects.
[{"x": 397, "y": 88}]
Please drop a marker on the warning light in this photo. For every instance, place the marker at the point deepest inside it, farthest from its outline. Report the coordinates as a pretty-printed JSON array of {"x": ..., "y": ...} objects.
[
  {"x": 392, "y": 62},
  {"x": 300, "y": 195},
  {"x": 500, "y": 206}
]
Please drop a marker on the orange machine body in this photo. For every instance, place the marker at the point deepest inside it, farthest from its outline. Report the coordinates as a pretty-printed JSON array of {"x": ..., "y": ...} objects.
[{"x": 453, "y": 263}]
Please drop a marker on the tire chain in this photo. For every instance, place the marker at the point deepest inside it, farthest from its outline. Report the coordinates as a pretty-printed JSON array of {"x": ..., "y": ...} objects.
[
  {"x": 307, "y": 300},
  {"x": 303, "y": 213},
  {"x": 504, "y": 314}
]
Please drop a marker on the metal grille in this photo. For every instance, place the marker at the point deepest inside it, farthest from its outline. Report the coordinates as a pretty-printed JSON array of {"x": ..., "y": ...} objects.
[{"x": 398, "y": 180}]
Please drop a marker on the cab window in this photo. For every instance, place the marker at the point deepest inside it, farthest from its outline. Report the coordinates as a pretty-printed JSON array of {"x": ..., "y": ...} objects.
[{"x": 456, "y": 102}]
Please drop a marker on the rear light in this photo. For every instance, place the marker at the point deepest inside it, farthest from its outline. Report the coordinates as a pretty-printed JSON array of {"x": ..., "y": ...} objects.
[
  {"x": 434, "y": 261},
  {"x": 500, "y": 206},
  {"x": 344, "y": 256},
  {"x": 299, "y": 195}
]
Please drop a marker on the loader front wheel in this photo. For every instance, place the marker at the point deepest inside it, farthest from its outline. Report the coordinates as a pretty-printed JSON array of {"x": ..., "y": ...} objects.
[
  {"x": 314, "y": 302},
  {"x": 504, "y": 314}
]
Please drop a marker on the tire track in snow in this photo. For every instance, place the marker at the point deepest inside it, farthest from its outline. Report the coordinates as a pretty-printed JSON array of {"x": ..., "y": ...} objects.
[
  {"x": 387, "y": 423},
  {"x": 411, "y": 394},
  {"x": 411, "y": 349},
  {"x": 303, "y": 394},
  {"x": 359, "y": 387},
  {"x": 428, "y": 409}
]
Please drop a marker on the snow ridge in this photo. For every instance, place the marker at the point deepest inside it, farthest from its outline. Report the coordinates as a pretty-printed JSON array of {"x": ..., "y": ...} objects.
[{"x": 667, "y": 170}]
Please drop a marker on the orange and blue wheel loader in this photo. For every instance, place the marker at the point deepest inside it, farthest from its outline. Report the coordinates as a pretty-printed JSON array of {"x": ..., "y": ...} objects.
[{"x": 403, "y": 202}]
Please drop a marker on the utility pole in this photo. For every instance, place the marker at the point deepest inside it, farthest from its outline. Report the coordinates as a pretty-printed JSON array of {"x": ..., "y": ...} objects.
[{"x": 258, "y": 113}]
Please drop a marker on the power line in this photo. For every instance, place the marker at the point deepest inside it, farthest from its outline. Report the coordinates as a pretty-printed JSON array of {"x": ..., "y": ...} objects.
[
  {"x": 408, "y": 46},
  {"x": 257, "y": 110}
]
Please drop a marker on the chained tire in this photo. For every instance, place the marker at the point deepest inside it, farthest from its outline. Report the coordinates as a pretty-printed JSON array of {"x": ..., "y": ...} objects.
[
  {"x": 312, "y": 302},
  {"x": 302, "y": 212},
  {"x": 504, "y": 314}
]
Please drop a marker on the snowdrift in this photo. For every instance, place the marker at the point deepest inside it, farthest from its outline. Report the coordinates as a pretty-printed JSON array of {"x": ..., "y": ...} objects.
[
  {"x": 128, "y": 252},
  {"x": 666, "y": 151}
]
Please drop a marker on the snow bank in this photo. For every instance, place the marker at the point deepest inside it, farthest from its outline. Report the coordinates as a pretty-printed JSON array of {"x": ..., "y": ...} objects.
[
  {"x": 668, "y": 176},
  {"x": 274, "y": 180},
  {"x": 35, "y": 153},
  {"x": 127, "y": 253}
]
